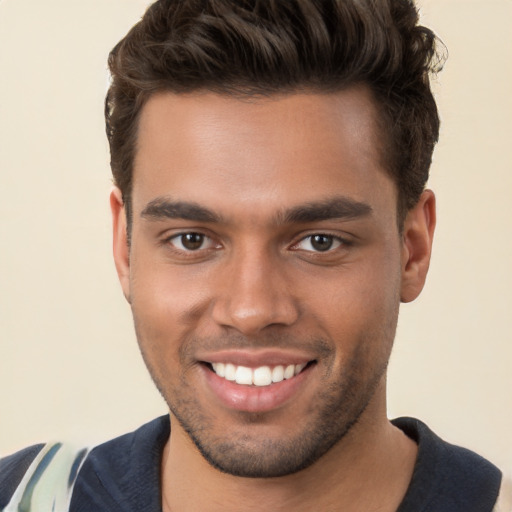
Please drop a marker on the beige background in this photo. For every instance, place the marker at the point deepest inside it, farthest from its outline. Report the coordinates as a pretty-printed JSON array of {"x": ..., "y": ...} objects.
[{"x": 69, "y": 365}]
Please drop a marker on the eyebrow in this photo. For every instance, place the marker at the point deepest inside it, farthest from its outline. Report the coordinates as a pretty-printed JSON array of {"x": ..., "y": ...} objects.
[
  {"x": 339, "y": 207},
  {"x": 166, "y": 208}
]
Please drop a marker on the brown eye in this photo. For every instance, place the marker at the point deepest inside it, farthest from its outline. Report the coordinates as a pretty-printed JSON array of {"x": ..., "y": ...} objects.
[
  {"x": 189, "y": 242},
  {"x": 322, "y": 242},
  {"x": 192, "y": 241},
  {"x": 319, "y": 243}
]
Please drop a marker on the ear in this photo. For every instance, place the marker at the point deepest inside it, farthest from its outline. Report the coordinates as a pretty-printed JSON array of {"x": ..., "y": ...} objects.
[
  {"x": 418, "y": 233},
  {"x": 120, "y": 240}
]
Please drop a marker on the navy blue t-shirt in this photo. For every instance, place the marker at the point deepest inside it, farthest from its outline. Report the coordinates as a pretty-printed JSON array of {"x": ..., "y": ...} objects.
[{"x": 124, "y": 474}]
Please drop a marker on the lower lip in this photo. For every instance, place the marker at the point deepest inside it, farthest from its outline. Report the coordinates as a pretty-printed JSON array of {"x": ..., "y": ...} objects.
[{"x": 240, "y": 397}]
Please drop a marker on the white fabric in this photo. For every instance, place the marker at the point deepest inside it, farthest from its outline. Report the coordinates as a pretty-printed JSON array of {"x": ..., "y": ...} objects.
[{"x": 48, "y": 489}]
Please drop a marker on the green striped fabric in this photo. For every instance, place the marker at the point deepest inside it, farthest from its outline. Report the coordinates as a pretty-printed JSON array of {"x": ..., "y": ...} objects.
[{"x": 48, "y": 483}]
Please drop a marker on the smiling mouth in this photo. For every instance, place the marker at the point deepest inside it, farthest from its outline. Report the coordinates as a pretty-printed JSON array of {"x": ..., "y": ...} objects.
[{"x": 260, "y": 376}]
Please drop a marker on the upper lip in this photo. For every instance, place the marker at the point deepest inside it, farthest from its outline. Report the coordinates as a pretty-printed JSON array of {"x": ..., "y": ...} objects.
[{"x": 255, "y": 359}]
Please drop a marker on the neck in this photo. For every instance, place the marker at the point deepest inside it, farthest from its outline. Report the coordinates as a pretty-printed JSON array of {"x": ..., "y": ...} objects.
[{"x": 369, "y": 469}]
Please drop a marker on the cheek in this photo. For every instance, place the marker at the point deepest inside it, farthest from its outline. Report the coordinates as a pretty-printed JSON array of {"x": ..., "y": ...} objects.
[
  {"x": 361, "y": 302},
  {"x": 166, "y": 293},
  {"x": 165, "y": 305}
]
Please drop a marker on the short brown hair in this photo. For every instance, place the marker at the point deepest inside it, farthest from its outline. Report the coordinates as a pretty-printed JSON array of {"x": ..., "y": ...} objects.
[{"x": 261, "y": 47}]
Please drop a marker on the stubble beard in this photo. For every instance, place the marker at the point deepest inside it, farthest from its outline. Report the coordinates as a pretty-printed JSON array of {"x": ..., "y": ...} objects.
[
  {"x": 333, "y": 415},
  {"x": 331, "y": 419}
]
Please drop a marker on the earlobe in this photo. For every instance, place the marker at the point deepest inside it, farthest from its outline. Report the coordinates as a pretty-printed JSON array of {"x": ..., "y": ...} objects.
[
  {"x": 418, "y": 233},
  {"x": 120, "y": 242}
]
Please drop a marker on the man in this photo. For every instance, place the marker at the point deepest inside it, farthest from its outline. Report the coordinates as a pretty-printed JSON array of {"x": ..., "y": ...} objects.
[{"x": 270, "y": 214}]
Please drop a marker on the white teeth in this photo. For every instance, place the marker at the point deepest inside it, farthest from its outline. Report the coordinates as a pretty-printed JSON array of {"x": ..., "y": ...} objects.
[
  {"x": 220, "y": 369},
  {"x": 289, "y": 372},
  {"x": 243, "y": 375},
  {"x": 229, "y": 371},
  {"x": 261, "y": 376},
  {"x": 299, "y": 368},
  {"x": 278, "y": 374}
]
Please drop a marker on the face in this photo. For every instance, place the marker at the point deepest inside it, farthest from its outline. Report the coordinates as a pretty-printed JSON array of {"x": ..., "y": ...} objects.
[{"x": 265, "y": 271}]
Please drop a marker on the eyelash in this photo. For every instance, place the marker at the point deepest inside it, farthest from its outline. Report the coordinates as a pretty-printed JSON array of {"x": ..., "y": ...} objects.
[
  {"x": 335, "y": 243},
  {"x": 179, "y": 237},
  {"x": 334, "y": 240}
]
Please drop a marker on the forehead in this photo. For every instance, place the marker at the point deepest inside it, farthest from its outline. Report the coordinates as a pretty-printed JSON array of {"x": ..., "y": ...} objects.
[{"x": 262, "y": 153}]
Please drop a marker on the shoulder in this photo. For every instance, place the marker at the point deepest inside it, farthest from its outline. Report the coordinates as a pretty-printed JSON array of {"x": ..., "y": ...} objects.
[
  {"x": 119, "y": 475},
  {"x": 12, "y": 469},
  {"x": 447, "y": 477},
  {"x": 124, "y": 473}
]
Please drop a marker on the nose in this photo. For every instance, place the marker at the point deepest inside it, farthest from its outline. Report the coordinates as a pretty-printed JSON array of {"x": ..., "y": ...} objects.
[{"x": 254, "y": 292}]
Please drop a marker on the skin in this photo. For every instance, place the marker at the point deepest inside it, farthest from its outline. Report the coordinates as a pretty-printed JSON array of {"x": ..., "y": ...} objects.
[{"x": 256, "y": 287}]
